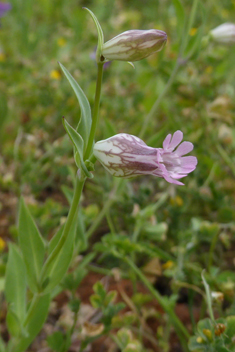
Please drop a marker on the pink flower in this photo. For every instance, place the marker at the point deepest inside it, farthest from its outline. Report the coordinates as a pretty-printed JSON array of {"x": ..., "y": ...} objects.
[{"x": 124, "y": 155}]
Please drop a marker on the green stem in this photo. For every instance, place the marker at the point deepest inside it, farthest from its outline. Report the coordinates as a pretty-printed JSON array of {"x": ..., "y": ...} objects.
[
  {"x": 73, "y": 210},
  {"x": 179, "y": 327},
  {"x": 189, "y": 26},
  {"x": 95, "y": 111},
  {"x": 155, "y": 106},
  {"x": 75, "y": 319},
  {"x": 110, "y": 222}
]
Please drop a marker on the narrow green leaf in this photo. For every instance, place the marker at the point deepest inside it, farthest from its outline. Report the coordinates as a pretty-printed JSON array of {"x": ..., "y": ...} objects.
[
  {"x": 203, "y": 12},
  {"x": 84, "y": 124},
  {"x": 78, "y": 144},
  {"x": 15, "y": 284},
  {"x": 13, "y": 323},
  {"x": 59, "y": 266},
  {"x": 56, "y": 341},
  {"x": 100, "y": 34},
  {"x": 194, "y": 44},
  {"x": 55, "y": 240},
  {"x": 34, "y": 320},
  {"x": 180, "y": 14},
  {"x": 208, "y": 297},
  {"x": 31, "y": 245}
]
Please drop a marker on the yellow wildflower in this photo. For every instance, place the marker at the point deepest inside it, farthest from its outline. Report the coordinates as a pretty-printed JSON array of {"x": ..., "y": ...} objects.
[
  {"x": 2, "y": 244},
  {"x": 168, "y": 265},
  {"x": 61, "y": 41},
  {"x": 55, "y": 74},
  {"x": 192, "y": 31}
]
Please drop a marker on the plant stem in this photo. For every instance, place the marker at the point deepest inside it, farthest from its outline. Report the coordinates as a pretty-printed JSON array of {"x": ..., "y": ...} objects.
[
  {"x": 95, "y": 111},
  {"x": 179, "y": 327},
  {"x": 73, "y": 210},
  {"x": 159, "y": 99},
  {"x": 189, "y": 26}
]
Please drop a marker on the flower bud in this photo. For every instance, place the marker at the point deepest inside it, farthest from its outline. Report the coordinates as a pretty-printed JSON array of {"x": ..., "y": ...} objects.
[
  {"x": 224, "y": 34},
  {"x": 124, "y": 155},
  {"x": 134, "y": 45}
]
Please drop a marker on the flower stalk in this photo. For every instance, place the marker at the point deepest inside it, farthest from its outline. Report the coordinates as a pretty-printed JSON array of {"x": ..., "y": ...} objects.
[{"x": 95, "y": 111}]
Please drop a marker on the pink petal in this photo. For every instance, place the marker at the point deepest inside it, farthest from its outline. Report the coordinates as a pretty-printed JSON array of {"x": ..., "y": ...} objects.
[
  {"x": 166, "y": 141},
  {"x": 184, "y": 148},
  {"x": 188, "y": 162},
  {"x": 176, "y": 139},
  {"x": 178, "y": 183},
  {"x": 178, "y": 176},
  {"x": 167, "y": 176},
  {"x": 172, "y": 180}
]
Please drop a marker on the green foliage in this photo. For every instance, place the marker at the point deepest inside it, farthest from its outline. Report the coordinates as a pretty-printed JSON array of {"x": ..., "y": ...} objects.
[
  {"x": 79, "y": 147},
  {"x": 34, "y": 320},
  {"x": 105, "y": 302},
  {"x": 180, "y": 14},
  {"x": 58, "y": 342},
  {"x": 59, "y": 263},
  {"x": 72, "y": 280},
  {"x": 15, "y": 283},
  {"x": 213, "y": 337},
  {"x": 13, "y": 323},
  {"x": 127, "y": 342},
  {"x": 84, "y": 124},
  {"x": 55, "y": 240},
  {"x": 100, "y": 34},
  {"x": 31, "y": 245},
  {"x": 119, "y": 246}
]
